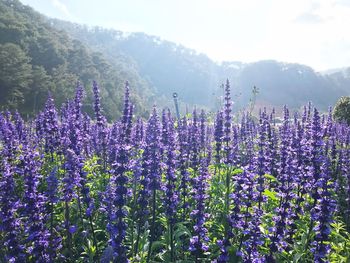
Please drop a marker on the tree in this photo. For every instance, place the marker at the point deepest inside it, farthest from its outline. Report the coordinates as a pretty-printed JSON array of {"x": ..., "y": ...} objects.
[
  {"x": 342, "y": 110},
  {"x": 15, "y": 75},
  {"x": 36, "y": 96}
]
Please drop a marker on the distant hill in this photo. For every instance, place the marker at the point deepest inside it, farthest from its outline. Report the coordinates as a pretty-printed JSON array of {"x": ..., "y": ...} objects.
[
  {"x": 167, "y": 66},
  {"x": 40, "y": 54},
  {"x": 36, "y": 58},
  {"x": 291, "y": 84},
  {"x": 171, "y": 67},
  {"x": 331, "y": 71}
]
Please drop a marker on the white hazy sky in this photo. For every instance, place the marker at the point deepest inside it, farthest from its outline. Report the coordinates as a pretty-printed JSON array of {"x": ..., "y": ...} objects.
[{"x": 315, "y": 33}]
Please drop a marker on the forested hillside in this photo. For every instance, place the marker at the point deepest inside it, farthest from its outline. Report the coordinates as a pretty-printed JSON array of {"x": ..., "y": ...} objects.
[
  {"x": 39, "y": 54},
  {"x": 168, "y": 66},
  {"x": 35, "y": 58},
  {"x": 171, "y": 67}
]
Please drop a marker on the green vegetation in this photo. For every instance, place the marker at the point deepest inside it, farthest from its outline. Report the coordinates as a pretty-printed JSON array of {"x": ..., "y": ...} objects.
[
  {"x": 35, "y": 58},
  {"x": 174, "y": 68},
  {"x": 39, "y": 54},
  {"x": 342, "y": 110}
]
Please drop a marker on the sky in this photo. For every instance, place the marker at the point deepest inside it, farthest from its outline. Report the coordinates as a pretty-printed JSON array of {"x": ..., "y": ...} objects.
[{"x": 309, "y": 32}]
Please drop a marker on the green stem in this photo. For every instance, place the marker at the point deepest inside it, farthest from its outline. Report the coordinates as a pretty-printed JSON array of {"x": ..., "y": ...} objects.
[
  {"x": 172, "y": 254},
  {"x": 133, "y": 215},
  {"x": 69, "y": 235},
  {"x": 138, "y": 238},
  {"x": 93, "y": 235},
  {"x": 51, "y": 228},
  {"x": 152, "y": 226},
  {"x": 227, "y": 198}
]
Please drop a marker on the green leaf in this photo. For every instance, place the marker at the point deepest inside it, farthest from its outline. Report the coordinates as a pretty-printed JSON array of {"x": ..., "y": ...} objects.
[
  {"x": 270, "y": 177},
  {"x": 270, "y": 194},
  {"x": 297, "y": 257}
]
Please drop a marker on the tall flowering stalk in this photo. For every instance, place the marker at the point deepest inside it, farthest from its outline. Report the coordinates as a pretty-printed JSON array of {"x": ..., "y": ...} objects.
[
  {"x": 9, "y": 137},
  {"x": 227, "y": 141},
  {"x": 144, "y": 194},
  {"x": 345, "y": 173},
  {"x": 296, "y": 162},
  {"x": 227, "y": 124},
  {"x": 171, "y": 199},
  {"x": 284, "y": 212},
  {"x": 52, "y": 199},
  {"x": 226, "y": 136},
  {"x": 72, "y": 143},
  {"x": 100, "y": 119},
  {"x": 48, "y": 127},
  {"x": 218, "y": 136},
  {"x": 118, "y": 183},
  {"x": 12, "y": 247},
  {"x": 34, "y": 206},
  {"x": 236, "y": 217},
  {"x": 322, "y": 215},
  {"x": 137, "y": 141},
  {"x": 71, "y": 182},
  {"x": 199, "y": 241},
  {"x": 150, "y": 179},
  {"x": 100, "y": 132},
  {"x": 314, "y": 148},
  {"x": 194, "y": 142},
  {"x": 153, "y": 152},
  {"x": 183, "y": 165},
  {"x": 250, "y": 220}
]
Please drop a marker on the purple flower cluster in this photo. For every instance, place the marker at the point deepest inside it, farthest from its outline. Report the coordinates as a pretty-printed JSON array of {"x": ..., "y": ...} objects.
[
  {"x": 199, "y": 241},
  {"x": 76, "y": 188}
]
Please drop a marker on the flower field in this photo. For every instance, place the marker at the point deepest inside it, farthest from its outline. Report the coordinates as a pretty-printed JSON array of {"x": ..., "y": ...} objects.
[{"x": 203, "y": 188}]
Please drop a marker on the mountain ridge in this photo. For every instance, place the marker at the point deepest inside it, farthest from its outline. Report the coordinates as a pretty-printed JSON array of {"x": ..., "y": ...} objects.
[
  {"x": 36, "y": 59},
  {"x": 158, "y": 67},
  {"x": 278, "y": 82}
]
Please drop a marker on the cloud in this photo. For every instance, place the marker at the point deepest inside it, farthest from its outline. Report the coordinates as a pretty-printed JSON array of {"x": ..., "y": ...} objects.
[
  {"x": 309, "y": 18},
  {"x": 62, "y": 8},
  {"x": 311, "y": 15},
  {"x": 345, "y": 3}
]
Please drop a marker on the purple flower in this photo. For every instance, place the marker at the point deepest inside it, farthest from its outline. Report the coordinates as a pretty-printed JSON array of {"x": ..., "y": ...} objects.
[
  {"x": 72, "y": 229},
  {"x": 52, "y": 199},
  {"x": 198, "y": 242},
  {"x": 171, "y": 199},
  {"x": 170, "y": 147},
  {"x": 218, "y": 135},
  {"x": 10, "y": 223},
  {"x": 34, "y": 205},
  {"x": 322, "y": 213},
  {"x": 194, "y": 141},
  {"x": 100, "y": 119},
  {"x": 227, "y": 124},
  {"x": 50, "y": 127},
  {"x": 121, "y": 153},
  {"x": 151, "y": 174},
  {"x": 183, "y": 165}
]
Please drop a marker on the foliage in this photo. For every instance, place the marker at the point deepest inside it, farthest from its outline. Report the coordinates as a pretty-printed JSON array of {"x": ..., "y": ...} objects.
[
  {"x": 342, "y": 110},
  {"x": 36, "y": 59},
  {"x": 171, "y": 67},
  {"x": 51, "y": 55}
]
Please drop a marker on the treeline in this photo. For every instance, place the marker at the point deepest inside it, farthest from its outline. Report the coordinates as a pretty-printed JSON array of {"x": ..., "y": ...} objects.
[
  {"x": 36, "y": 59},
  {"x": 174, "y": 68},
  {"x": 39, "y": 54}
]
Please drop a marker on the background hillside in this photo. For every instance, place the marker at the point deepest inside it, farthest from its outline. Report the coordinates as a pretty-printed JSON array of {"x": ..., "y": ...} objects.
[
  {"x": 38, "y": 54},
  {"x": 171, "y": 67},
  {"x": 36, "y": 58}
]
